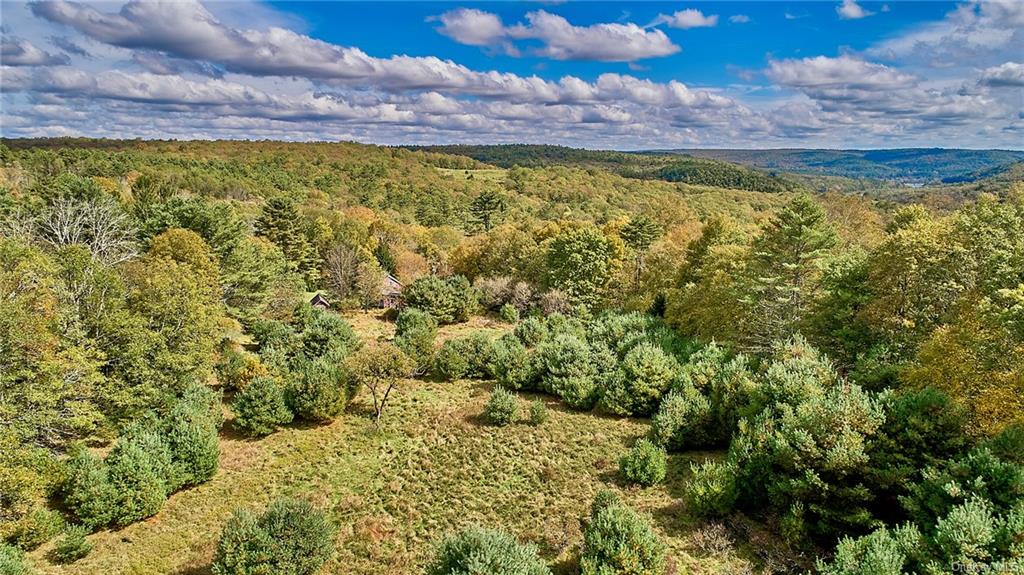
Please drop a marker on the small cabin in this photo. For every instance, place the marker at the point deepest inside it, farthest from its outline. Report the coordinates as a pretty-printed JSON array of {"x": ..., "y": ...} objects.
[
  {"x": 319, "y": 301},
  {"x": 391, "y": 292}
]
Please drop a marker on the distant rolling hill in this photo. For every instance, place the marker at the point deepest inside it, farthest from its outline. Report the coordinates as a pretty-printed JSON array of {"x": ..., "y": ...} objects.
[{"x": 911, "y": 165}]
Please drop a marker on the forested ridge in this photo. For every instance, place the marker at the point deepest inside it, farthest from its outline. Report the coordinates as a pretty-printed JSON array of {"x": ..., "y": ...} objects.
[{"x": 840, "y": 372}]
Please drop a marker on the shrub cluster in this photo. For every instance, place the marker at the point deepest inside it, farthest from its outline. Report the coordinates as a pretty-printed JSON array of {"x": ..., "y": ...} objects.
[
  {"x": 502, "y": 407},
  {"x": 464, "y": 357},
  {"x": 153, "y": 458},
  {"x": 623, "y": 363},
  {"x": 290, "y": 538},
  {"x": 307, "y": 380},
  {"x": 448, "y": 300},
  {"x": 479, "y": 550},
  {"x": 618, "y": 540},
  {"x": 415, "y": 331},
  {"x": 73, "y": 545},
  {"x": 260, "y": 408},
  {"x": 645, "y": 464}
]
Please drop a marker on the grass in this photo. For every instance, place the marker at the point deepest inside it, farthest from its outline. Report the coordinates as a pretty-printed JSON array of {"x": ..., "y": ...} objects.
[{"x": 434, "y": 467}]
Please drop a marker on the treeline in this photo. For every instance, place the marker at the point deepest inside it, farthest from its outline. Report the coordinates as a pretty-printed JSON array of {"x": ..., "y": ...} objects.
[{"x": 722, "y": 175}]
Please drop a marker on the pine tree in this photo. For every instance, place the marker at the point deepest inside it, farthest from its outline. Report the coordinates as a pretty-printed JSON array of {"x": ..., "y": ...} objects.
[
  {"x": 639, "y": 234},
  {"x": 280, "y": 222},
  {"x": 782, "y": 275},
  {"x": 487, "y": 208}
]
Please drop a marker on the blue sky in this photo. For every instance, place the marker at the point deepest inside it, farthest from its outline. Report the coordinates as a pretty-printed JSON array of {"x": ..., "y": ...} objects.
[{"x": 623, "y": 75}]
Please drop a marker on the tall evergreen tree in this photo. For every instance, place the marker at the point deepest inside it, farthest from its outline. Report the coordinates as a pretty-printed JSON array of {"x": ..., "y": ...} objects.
[
  {"x": 280, "y": 222},
  {"x": 782, "y": 276},
  {"x": 487, "y": 209},
  {"x": 639, "y": 234}
]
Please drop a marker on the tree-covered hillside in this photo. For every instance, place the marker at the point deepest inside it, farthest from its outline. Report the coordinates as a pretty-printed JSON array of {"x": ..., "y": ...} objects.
[
  {"x": 918, "y": 165},
  {"x": 586, "y": 373}
]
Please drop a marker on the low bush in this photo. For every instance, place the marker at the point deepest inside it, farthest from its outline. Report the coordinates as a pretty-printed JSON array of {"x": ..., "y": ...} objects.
[
  {"x": 569, "y": 369},
  {"x": 36, "y": 528},
  {"x": 415, "y": 331},
  {"x": 510, "y": 364},
  {"x": 73, "y": 545},
  {"x": 289, "y": 538},
  {"x": 139, "y": 469},
  {"x": 450, "y": 361},
  {"x": 318, "y": 391},
  {"x": 508, "y": 313},
  {"x": 645, "y": 464},
  {"x": 327, "y": 334},
  {"x": 476, "y": 550},
  {"x": 617, "y": 540},
  {"x": 531, "y": 331},
  {"x": 501, "y": 407},
  {"x": 191, "y": 432},
  {"x": 538, "y": 412},
  {"x": 261, "y": 408},
  {"x": 87, "y": 491},
  {"x": 465, "y": 357},
  {"x": 602, "y": 499},
  {"x": 12, "y": 561},
  {"x": 237, "y": 368},
  {"x": 449, "y": 300},
  {"x": 883, "y": 551},
  {"x": 640, "y": 381},
  {"x": 683, "y": 420},
  {"x": 711, "y": 492}
]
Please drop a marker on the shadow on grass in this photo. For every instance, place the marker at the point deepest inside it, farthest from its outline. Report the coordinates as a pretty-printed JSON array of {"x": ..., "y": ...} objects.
[{"x": 196, "y": 570}]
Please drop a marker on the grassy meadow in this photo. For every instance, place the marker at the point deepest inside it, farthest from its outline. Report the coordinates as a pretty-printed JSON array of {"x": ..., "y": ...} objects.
[{"x": 434, "y": 467}]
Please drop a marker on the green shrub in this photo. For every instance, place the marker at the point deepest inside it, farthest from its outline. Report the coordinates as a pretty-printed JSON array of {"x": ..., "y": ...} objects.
[
  {"x": 464, "y": 357},
  {"x": 449, "y": 300},
  {"x": 12, "y": 561},
  {"x": 318, "y": 392},
  {"x": 508, "y": 313},
  {"x": 603, "y": 499},
  {"x": 882, "y": 552},
  {"x": 979, "y": 474},
  {"x": 289, "y": 538},
  {"x": 642, "y": 378},
  {"x": 37, "y": 527},
  {"x": 501, "y": 407},
  {"x": 967, "y": 534},
  {"x": 138, "y": 471},
  {"x": 509, "y": 363},
  {"x": 569, "y": 369},
  {"x": 273, "y": 333},
  {"x": 617, "y": 540},
  {"x": 538, "y": 412},
  {"x": 415, "y": 331},
  {"x": 87, "y": 491},
  {"x": 476, "y": 550},
  {"x": 682, "y": 421},
  {"x": 809, "y": 461},
  {"x": 261, "y": 408},
  {"x": 236, "y": 368},
  {"x": 645, "y": 464},
  {"x": 727, "y": 387},
  {"x": 73, "y": 545},
  {"x": 1008, "y": 445},
  {"x": 191, "y": 434},
  {"x": 531, "y": 331},
  {"x": 922, "y": 428},
  {"x": 451, "y": 362},
  {"x": 711, "y": 491},
  {"x": 327, "y": 334}
]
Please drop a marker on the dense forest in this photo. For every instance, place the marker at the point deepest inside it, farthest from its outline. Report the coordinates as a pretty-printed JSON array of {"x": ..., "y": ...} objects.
[
  {"x": 920, "y": 165},
  {"x": 600, "y": 364}
]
